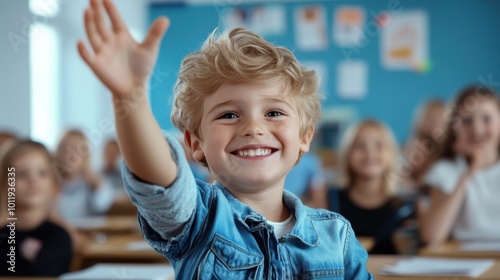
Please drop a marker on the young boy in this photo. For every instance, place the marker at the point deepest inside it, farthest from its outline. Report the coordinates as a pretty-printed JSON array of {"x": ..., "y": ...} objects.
[{"x": 247, "y": 110}]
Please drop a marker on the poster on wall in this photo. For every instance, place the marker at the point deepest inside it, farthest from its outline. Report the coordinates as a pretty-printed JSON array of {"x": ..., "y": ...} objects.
[
  {"x": 348, "y": 23},
  {"x": 310, "y": 28},
  {"x": 262, "y": 19},
  {"x": 405, "y": 41},
  {"x": 352, "y": 79}
]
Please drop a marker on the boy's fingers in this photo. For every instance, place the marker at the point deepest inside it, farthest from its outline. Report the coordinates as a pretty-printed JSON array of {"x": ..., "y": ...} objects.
[
  {"x": 156, "y": 32},
  {"x": 99, "y": 19},
  {"x": 114, "y": 16},
  {"x": 94, "y": 37},
  {"x": 84, "y": 53}
]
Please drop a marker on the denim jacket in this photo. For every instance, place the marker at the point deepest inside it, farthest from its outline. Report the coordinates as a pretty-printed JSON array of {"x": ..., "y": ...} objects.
[{"x": 206, "y": 233}]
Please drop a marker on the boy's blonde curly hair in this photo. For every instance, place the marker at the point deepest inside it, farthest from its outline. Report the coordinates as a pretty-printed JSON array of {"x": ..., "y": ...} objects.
[{"x": 241, "y": 56}]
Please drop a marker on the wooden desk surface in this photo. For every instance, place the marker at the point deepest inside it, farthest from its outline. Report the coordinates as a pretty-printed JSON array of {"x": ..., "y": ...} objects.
[
  {"x": 116, "y": 247},
  {"x": 377, "y": 262},
  {"x": 122, "y": 206},
  {"x": 116, "y": 250},
  {"x": 375, "y": 265},
  {"x": 108, "y": 224},
  {"x": 452, "y": 249}
]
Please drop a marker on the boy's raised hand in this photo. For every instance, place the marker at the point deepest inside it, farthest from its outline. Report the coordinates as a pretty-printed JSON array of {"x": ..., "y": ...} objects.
[{"x": 118, "y": 60}]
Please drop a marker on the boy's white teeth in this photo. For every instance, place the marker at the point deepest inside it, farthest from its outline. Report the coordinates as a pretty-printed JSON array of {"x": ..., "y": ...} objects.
[{"x": 254, "y": 152}]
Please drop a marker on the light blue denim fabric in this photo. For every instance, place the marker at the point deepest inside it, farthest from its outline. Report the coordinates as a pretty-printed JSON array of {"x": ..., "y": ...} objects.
[{"x": 206, "y": 233}]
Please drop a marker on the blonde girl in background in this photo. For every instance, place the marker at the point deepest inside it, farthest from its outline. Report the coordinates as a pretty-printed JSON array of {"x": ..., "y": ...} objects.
[
  {"x": 42, "y": 247},
  {"x": 84, "y": 193},
  {"x": 366, "y": 193},
  {"x": 465, "y": 182}
]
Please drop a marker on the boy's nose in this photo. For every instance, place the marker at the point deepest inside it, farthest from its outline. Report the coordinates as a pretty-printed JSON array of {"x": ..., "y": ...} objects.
[{"x": 251, "y": 128}]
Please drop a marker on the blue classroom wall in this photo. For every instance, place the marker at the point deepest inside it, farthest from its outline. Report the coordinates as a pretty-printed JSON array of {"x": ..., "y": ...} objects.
[{"x": 464, "y": 49}]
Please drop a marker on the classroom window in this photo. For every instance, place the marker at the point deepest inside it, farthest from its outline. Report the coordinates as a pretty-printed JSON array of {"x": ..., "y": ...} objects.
[
  {"x": 44, "y": 8},
  {"x": 44, "y": 68}
]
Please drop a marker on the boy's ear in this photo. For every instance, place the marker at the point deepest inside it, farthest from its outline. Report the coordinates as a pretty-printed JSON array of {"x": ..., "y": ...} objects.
[
  {"x": 194, "y": 145},
  {"x": 305, "y": 140}
]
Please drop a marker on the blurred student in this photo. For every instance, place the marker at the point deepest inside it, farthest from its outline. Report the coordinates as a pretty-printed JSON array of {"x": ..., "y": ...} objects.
[
  {"x": 307, "y": 181},
  {"x": 42, "y": 248},
  {"x": 7, "y": 140},
  {"x": 111, "y": 167},
  {"x": 367, "y": 185},
  {"x": 421, "y": 150},
  {"x": 465, "y": 182},
  {"x": 6, "y": 136},
  {"x": 84, "y": 193}
]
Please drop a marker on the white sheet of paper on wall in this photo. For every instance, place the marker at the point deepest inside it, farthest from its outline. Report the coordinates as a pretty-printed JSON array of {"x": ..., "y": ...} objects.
[{"x": 352, "y": 79}]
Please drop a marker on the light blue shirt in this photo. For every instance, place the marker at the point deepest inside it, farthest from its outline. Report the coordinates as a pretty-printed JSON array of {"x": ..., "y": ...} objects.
[
  {"x": 199, "y": 172},
  {"x": 306, "y": 174},
  {"x": 206, "y": 233},
  {"x": 78, "y": 200}
]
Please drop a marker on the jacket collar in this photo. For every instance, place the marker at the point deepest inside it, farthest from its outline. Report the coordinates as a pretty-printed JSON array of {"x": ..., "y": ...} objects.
[{"x": 303, "y": 230}]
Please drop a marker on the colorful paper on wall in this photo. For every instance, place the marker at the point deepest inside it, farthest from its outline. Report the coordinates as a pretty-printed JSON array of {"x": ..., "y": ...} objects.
[
  {"x": 348, "y": 23},
  {"x": 310, "y": 28},
  {"x": 405, "y": 41}
]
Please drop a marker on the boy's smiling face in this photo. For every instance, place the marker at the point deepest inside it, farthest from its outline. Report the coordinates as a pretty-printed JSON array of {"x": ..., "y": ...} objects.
[{"x": 250, "y": 136}]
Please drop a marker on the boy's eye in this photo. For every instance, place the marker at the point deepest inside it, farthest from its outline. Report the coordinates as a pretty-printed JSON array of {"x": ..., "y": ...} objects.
[
  {"x": 274, "y": 114},
  {"x": 228, "y": 116}
]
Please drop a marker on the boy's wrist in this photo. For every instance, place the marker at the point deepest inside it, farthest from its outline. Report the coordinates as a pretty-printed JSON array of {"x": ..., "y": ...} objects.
[
  {"x": 125, "y": 103},
  {"x": 136, "y": 93}
]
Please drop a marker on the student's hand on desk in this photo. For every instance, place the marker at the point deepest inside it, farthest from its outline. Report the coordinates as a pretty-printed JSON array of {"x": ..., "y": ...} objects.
[{"x": 118, "y": 60}]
